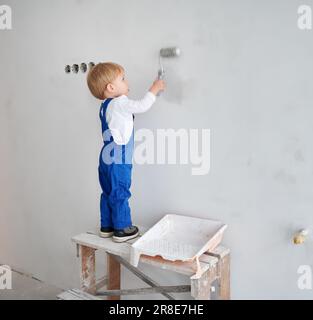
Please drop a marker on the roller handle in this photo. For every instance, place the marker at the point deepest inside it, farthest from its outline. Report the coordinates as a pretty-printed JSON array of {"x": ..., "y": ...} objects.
[{"x": 161, "y": 75}]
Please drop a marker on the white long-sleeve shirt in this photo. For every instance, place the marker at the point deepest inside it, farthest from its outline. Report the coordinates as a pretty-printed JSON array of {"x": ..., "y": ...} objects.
[{"x": 119, "y": 115}]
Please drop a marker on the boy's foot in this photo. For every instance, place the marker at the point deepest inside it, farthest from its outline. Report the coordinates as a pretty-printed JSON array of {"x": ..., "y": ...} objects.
[
  {"x": 106, "y": 232},
  {"x": 125, "y": 234}
]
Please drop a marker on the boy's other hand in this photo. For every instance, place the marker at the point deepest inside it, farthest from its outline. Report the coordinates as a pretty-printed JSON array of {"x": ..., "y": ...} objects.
[{"x": 157, "y": 86}]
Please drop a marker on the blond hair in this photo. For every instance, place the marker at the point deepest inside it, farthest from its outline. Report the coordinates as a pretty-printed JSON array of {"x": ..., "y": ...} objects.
[{"x": 100, "y": 76}]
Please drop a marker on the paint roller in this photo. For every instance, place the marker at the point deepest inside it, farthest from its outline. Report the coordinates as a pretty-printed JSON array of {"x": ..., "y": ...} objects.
[
  {"x": 172, "y": 52},
  {"x": 167, "y": 53}
]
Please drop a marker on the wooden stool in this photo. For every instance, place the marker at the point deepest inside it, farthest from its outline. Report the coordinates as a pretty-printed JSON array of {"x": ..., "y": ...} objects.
[{"x": 214, "y": 265}]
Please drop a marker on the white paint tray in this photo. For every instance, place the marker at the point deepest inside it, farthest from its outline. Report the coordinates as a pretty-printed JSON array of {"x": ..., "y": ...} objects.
[{"x": 178, "y": 237}]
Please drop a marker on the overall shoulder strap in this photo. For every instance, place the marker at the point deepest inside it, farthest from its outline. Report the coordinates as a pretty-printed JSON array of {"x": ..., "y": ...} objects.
[{"x": 103, "y": 107}]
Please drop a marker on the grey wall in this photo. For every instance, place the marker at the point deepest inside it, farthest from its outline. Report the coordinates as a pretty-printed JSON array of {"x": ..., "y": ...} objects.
[{"x": 245, "y": 73}]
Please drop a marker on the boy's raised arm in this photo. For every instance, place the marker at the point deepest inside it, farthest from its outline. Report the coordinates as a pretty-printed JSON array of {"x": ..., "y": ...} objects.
[
  {"x": 137, "y": 106},
  {"x": 143, "y": 105}
]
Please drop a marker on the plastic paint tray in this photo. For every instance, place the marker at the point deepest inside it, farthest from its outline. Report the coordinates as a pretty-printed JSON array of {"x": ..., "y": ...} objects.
[{"x": 178, "y": 237}]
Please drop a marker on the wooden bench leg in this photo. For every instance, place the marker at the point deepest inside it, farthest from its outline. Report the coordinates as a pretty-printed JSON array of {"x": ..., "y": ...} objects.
[
  {"x": 223, "y": 271},
  {"x": 114, "y": 275},
  {"x": 201, "y": 287},
  {"x": 87, "y": 270},
  {"x": 224, "y": 281}
]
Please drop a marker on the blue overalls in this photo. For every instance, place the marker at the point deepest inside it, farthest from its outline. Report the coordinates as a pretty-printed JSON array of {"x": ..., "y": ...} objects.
[{"x": 115, "y": 167}]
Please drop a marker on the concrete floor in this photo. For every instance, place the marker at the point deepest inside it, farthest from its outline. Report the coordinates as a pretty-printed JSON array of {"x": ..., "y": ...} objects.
[{"x": 27, "y": 288}]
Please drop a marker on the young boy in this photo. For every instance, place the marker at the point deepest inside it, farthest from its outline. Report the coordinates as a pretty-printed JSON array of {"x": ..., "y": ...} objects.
[{"x": 106, "y": 82}]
